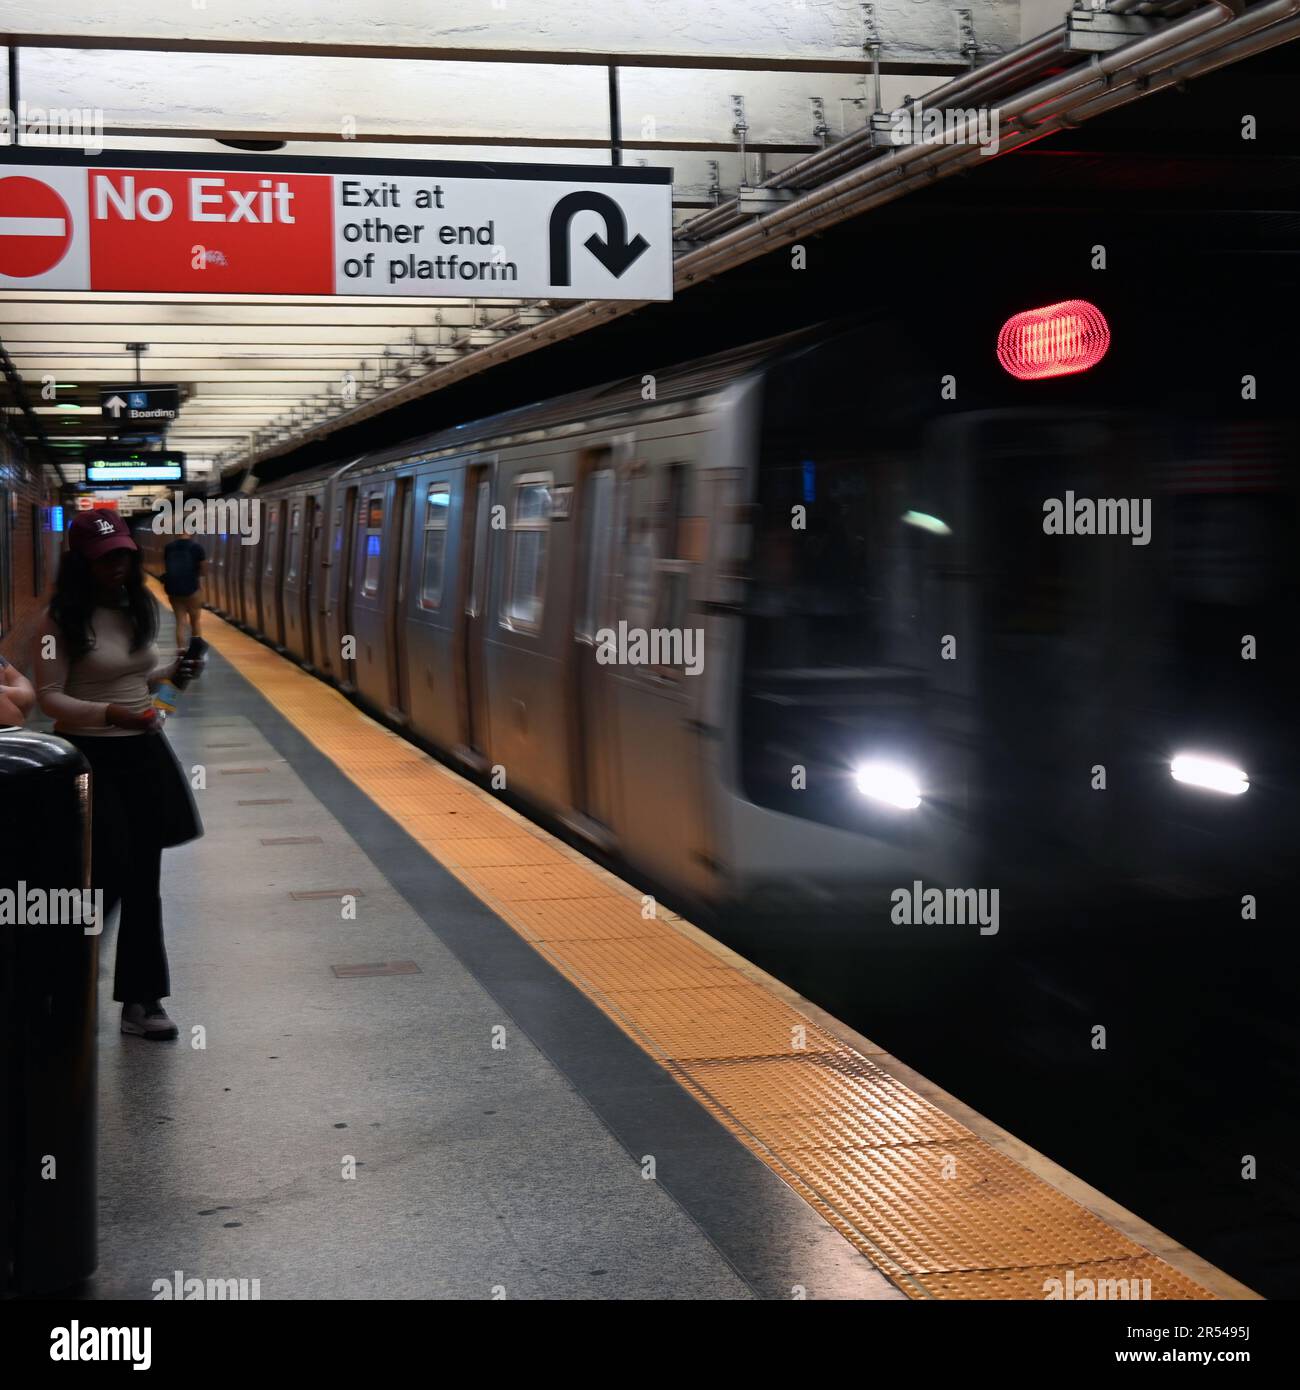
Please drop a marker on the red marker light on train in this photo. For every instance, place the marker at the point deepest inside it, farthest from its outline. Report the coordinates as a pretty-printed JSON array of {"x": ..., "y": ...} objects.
[{"x": 1056, "y": 340}]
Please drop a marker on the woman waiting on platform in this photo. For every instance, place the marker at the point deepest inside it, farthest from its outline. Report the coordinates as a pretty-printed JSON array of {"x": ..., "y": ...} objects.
[{"x": 95, "y": 664}]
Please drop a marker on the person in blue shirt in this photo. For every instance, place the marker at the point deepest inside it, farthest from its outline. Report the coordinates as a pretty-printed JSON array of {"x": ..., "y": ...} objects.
[{"x": 183, "y": 579}]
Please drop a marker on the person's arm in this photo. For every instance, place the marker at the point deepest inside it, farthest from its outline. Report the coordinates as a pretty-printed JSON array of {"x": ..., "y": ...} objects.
[
  {"x": 51, "y": 678},
  {"x": 18, "y": 688},
  {"x": 16, "y": 694}
]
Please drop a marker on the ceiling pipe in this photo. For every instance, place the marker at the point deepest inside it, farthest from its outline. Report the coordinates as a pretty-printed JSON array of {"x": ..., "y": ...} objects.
[
  {"x": 997, "y": 77},
  {"x": 1212, "y": 36}
]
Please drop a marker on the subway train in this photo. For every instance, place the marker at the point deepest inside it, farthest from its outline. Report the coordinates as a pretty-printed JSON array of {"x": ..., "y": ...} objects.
[{"x": 839, "y": 612}]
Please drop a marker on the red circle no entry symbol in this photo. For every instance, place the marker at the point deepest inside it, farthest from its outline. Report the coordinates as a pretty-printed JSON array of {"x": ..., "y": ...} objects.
[{"x": 35, "y": 227}]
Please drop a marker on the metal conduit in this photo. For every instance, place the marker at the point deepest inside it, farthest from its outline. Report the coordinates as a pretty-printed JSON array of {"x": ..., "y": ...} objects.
[
  {"x": 1210, "y": 37},
  {"x": 1000, "y": 76}
]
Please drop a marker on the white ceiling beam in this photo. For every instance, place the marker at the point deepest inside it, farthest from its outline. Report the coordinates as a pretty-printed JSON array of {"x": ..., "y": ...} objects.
[
  {"x": 273, "y": 311},
  {"x": 941, "y": 63}
]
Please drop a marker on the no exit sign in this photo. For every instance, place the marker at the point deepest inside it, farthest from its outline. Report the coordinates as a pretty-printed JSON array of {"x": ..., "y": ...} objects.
[{"x": 287, "y": 225}]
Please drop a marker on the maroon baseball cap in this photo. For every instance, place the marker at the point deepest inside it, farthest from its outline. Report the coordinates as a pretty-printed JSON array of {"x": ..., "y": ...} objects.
[{"x": 94, "y": 534}]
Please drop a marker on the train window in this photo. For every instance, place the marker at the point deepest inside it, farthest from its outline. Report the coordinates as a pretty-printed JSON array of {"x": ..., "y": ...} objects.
[
  {"x": 673, "y": 553},
  {"x": 599, "y": 537},
  {"x": 437, "y": 505},
  {"x": 372, "y": 520},
  {"x": 529, "y": 525},
  {"x": 295, "y": 542},
  {"x": 637, "y": 548}
]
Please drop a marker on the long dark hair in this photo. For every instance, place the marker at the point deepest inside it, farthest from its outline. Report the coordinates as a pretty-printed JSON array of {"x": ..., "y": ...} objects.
[{"x": 74, "y": 601}]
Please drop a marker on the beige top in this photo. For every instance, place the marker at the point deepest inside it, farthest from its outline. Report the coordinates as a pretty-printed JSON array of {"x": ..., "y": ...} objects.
[{"x": 77, "y": 694}]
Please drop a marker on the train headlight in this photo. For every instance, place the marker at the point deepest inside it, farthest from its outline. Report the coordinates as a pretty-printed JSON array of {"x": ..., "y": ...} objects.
[
  {"x": 1212, "y": 774},
  {"x": 888, "y": 782}
]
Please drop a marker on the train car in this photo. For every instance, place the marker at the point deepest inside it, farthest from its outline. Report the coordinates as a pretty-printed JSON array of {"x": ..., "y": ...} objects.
[{"x": 786, "y": 631}]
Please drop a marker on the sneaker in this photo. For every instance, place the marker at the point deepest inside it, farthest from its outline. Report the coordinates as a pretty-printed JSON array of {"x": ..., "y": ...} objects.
[{"x": 148, "y": 1021}]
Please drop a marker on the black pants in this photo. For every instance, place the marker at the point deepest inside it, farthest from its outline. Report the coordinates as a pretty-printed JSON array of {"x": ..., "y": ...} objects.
[{"x": 140, "y": 804}]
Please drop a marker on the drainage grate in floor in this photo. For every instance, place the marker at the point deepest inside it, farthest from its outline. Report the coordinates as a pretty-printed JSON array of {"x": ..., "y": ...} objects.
[{"x": 388, "y": 967}]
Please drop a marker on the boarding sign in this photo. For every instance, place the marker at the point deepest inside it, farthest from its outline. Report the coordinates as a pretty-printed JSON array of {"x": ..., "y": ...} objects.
[
  {"x": 168, "y": 223},
  {"x": 128, "y": 405}
]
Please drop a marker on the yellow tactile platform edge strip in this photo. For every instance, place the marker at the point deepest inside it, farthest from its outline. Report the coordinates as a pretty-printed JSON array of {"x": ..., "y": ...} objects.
[{"x": 938, "y": 1210}]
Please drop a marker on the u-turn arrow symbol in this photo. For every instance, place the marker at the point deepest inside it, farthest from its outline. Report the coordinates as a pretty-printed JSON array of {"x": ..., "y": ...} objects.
[{"x": 615, "y": 252}]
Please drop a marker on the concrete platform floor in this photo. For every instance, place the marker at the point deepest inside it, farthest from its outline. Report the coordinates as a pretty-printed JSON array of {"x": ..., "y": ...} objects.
[{"x": 500, "y": 1129}]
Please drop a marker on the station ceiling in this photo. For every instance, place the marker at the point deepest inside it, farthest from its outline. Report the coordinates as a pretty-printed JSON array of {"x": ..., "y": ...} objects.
[
  {"x": 725, "y": 95},
  {"x": 563, "y": 81}
]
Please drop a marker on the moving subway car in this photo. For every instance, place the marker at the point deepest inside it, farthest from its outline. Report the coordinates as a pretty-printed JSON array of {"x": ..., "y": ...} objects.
[{"x": 822, "y": 616}]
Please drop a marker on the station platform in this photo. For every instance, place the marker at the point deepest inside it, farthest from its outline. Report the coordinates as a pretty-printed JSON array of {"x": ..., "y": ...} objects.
[{"x": 442, "y": 1054}]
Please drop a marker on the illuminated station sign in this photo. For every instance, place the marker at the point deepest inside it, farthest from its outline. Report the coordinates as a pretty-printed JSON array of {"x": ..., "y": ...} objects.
[{"x": 123, "y": 466}]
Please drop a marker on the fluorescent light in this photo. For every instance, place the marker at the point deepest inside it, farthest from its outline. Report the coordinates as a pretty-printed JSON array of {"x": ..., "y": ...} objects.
[
  {"x": 1210, "y": 773},
  {"x": 889, "y": 783}
]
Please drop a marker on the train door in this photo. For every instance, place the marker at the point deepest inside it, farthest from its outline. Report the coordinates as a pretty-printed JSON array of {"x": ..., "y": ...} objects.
[
  {"x": 292, "y": 581},
  {"x": 214, "y": 547},
  {"x": 590, "y": 703},
  {"x": 371, "y": 592},
  {"x": 272, "y": 575},
  {"x": 250, "y": 586},
  {"x": 342, "y": 580},
  {"x": 234, "y": 554},
  {"x": 230, "y": 570},
  {"x": 307, "y": 581},
  {"x": 248, "y": 558},
  {"x": 228, "y": 543},
  {"x": 475, "y": 549},
  {"x": 395, "y": 640},
  {"x": 662, "y": 540}
]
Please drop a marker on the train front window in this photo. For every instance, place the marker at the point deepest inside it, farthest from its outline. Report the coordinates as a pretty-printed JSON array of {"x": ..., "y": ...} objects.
[
  {"x": 834, "y": 569},
  {"x": 845, "y": 539}
]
